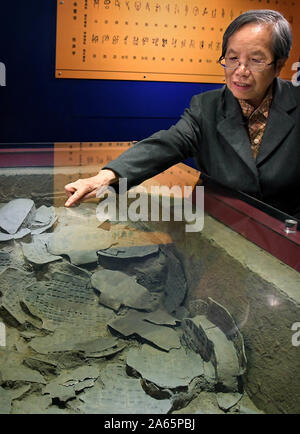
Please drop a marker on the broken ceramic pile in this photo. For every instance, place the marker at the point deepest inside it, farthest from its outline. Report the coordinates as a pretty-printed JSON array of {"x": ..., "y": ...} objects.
[
  {"x": 19, "y": 217},
  {"x": 216, "y": 338},
  {"x": 80, "y": 241},
  {"x": 155, "y": 267},
  {"x": 113, "y": 335}
]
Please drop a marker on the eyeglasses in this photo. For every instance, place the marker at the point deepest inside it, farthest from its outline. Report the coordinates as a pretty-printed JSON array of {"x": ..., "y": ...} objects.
[{"x": 255, "y": 65}]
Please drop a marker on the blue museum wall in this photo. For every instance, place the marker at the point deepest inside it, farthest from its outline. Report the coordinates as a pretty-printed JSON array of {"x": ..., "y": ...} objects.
[{"x": 37, "y": 107}]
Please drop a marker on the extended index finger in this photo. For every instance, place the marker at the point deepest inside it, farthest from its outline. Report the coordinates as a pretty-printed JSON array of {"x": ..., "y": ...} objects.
[
  {"x": 76, "y": 196},
  {"x": 72, "y": 199}
]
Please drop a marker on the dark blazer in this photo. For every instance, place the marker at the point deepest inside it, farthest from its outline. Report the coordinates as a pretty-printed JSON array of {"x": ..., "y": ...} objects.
[{"x": 213, "y": 131}]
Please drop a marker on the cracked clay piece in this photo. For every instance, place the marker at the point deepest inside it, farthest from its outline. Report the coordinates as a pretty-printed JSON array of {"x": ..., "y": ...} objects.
[
  {"x": 171, "y": 370},
  {"x": 7, "y": 397},
  {"x": 196, "y": 338},
  {"x": 65, "y": 386},
  {"x": 19, "y": 234},
  {"x": 64, "y": 266},
  {"x": 221, "y": 317},
  {"x": 120, "y": 394},
  {"x": 43, "y": 216},
  {"x": 16, "y": 213},
  {"x": 207, "y": 339},
  {"x": 129, "y": 252},
  {"x": 117, "y": 289},
  {"x": 61, "y": 340},
  {"x": 12, "y": 283},
  {"x": 134, "y": 324},
  {"x": 64, "y": 299},
  {"x": 12, "y": 369},
  {"x": 161, "y": 317},
  {"x": 44, "y": 219},
  {"x": 175, "y": 287},
  {"x": 36, "y": 252}
]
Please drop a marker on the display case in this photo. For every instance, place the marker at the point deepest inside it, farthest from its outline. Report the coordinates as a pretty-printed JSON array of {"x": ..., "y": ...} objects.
[{"x": 122, "y": 305}]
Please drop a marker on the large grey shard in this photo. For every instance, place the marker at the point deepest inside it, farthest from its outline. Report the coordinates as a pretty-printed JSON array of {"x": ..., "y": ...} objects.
[
  {"x": 129, "y": 252},
  {"x": 146, "y": 262},
  {"x": 227, "y": 363},
  {"x": 7, "y": 396},
  {"x": 79, "y": 242},
  {"x": 12, "y": 369},
  {"x": 65, "y": 386},
  {"x": 15, "y": 214},
  {"x": 117, "y": 289},
  {"x": 16, "y": 236},
  {"x": 161, "y": 317},
  {"x": 171, "y": 370},
  {"x": 14, "y": 279},
  {"x": 100, "y": 347},
  {"x": 207, "y": 339},
  {"x": 195, "y": 337},
  {"x": 6, "y": 237},
  {"x": 12, "y": 283},
  {"x": 42, "y": 229},
  {"x": 64, "y": 266},
  {"x": 43, "y": 216},
  {"x": 36, "y": 252},
  {"x": 220, "y": 316},
  {"x": 134, "y": 324},
  {"x": 121, "y": 394},
  {"x": 63, "y": 340},
  {"x": 175, "y": 287},
  {"x": 44, "y": 219},
  {"x": 77, "y": 375},
  {"x": 43, "y": 364},
  {"x": 64, "y": 299}
]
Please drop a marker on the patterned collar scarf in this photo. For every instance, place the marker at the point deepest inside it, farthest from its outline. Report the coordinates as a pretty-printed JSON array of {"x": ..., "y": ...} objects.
[{"x": 257, "y": 120}]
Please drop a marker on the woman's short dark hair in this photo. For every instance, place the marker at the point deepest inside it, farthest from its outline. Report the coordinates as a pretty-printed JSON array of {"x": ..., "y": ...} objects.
[{"x": 282, "y": 34}]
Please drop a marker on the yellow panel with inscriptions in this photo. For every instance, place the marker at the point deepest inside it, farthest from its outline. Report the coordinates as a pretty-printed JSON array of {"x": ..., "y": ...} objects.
[{"x": 158, "y": 40}]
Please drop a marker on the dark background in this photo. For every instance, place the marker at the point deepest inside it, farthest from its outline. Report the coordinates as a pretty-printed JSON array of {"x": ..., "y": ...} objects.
[{"x": 37, "y": 107}]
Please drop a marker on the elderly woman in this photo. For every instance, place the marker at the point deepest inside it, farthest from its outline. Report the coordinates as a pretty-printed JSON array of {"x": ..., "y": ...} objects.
[{"x": 245, "y": 136}]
